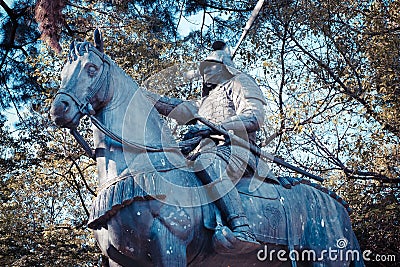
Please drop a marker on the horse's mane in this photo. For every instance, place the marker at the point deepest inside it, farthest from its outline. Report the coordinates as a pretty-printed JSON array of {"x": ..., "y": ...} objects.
[{"x": 77, "y": 49}]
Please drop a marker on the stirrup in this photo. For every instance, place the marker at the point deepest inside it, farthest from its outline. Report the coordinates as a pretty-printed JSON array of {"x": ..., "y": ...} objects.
[
  {"x": 241, "y": 229},
  {"x": 246, "y": 236},
  {"x": 227, "y": 242}
]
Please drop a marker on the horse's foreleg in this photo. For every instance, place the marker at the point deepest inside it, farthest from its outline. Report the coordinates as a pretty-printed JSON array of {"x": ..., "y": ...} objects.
[{"x": 167, "y": 249}]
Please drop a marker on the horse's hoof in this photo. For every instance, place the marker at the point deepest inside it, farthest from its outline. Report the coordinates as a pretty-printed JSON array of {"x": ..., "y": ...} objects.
[{"x": 227, "y": 242}]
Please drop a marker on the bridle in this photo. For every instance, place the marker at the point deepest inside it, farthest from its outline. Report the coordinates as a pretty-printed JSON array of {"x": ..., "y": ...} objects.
[{"x": 86, "y": 109}]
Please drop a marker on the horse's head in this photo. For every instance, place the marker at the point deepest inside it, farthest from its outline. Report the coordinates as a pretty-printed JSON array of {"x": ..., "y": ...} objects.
[{"x": 84, "y": 85}]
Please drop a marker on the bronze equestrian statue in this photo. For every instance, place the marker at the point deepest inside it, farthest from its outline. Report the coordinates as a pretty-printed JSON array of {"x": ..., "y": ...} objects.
[{"x": 157, "y": 208}]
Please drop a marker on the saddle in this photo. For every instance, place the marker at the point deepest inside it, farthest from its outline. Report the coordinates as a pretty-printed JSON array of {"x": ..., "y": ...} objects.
[{"x": 269, "y": 219}]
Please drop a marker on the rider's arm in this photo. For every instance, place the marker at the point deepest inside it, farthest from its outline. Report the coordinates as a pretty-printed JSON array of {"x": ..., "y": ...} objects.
[
  {"x": 182, "y": 111},
  {"x": 249, "y": 104}
]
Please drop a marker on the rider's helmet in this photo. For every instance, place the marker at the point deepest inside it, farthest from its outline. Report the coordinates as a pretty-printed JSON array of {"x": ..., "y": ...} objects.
[{"x": 221, "y": 54}]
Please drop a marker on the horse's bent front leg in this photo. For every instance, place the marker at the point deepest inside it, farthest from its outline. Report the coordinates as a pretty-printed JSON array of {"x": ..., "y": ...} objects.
[{"x": 167, "y": 249}]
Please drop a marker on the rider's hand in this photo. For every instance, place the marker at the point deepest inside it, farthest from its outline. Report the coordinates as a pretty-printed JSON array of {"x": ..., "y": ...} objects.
[{"x": 195, "y": 131}]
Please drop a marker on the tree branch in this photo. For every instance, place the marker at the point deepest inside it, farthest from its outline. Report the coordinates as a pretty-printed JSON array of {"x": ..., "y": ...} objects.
[
  {"x": 373, "y": 176},
  {"x": 7, "y": 9},
  {"x": 353, "y": 174},
  {"x": 346, "y": 89},
  {"x": 205, "y": 4},
  {"x": 13, "y": 32},
  {"x": 80, "y": 195},
  {"x": 82, "y": 176}
]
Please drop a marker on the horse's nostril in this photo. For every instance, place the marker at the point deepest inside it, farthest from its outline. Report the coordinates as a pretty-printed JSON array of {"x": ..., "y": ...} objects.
[{"x": 66, "y": 105}]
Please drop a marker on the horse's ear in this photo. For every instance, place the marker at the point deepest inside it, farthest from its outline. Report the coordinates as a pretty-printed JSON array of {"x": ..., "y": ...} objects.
[
  {"x": 98, "y": 40},
  {"x": 72, "y": 55}
]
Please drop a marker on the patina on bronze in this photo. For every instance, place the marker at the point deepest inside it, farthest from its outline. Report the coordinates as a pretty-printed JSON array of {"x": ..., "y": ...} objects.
[{"x": 152, "y": 210}]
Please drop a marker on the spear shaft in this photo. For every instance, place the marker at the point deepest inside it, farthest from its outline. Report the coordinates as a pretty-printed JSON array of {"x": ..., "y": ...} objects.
[
  {"x": 256, "y": 150},
  {"x": 249, "y": 23}
]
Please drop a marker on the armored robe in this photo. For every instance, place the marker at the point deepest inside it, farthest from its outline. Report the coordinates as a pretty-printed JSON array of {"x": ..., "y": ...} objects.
[{"x": 237, "y": 105}]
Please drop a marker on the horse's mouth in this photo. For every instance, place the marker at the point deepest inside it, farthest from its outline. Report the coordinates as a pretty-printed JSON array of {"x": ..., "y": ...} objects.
[
  {"x": 64, "y": 112},
  {"x": 63, "y": 123},
  {"x": 74, "y": 122}
]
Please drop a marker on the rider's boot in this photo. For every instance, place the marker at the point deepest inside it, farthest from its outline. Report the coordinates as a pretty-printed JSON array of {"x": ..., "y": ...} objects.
[
  {"x": 231, "y": 207},
  {"x": 228, "y": 201}
]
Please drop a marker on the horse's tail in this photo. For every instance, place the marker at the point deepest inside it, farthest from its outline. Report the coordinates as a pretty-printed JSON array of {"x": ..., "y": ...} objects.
[{"x": 287, "y": 182}]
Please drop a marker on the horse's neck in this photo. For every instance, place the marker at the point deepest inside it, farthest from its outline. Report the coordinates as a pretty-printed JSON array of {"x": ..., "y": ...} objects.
[{"x": 129, "y": 114}]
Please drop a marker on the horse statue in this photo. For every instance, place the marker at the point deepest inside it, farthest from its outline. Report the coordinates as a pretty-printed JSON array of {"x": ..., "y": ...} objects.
[{"x": 150, "y": 209}]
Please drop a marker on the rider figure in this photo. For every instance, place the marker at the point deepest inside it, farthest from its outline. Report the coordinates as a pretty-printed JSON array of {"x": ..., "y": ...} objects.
[{"x": 232, "y": 100}]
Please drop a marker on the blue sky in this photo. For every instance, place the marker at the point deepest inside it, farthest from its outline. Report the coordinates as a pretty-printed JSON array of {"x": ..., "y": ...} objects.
[
  {"x": 192, "y": 23},
  {"x": 9, "y": 2}
]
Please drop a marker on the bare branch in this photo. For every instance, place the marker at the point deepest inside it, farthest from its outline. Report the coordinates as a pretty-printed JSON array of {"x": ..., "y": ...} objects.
[
  {"x": 82, "y": 176},
  {"x": 78, "y": 190},
  {"x": 350, "y": 173},
  {"x": 7, "y": 9},
  {"x": 222, "y": 8},
  {"x": 346, "y": 90}
]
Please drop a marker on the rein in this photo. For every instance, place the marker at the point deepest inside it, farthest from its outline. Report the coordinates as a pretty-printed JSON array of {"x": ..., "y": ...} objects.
[
  {"x": 131, "y": 144},
  {"x": 142, "y": 147}
]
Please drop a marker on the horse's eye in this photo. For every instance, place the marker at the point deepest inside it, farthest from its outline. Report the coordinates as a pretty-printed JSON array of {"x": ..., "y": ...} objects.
[{"x": 92, "y": 71}]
